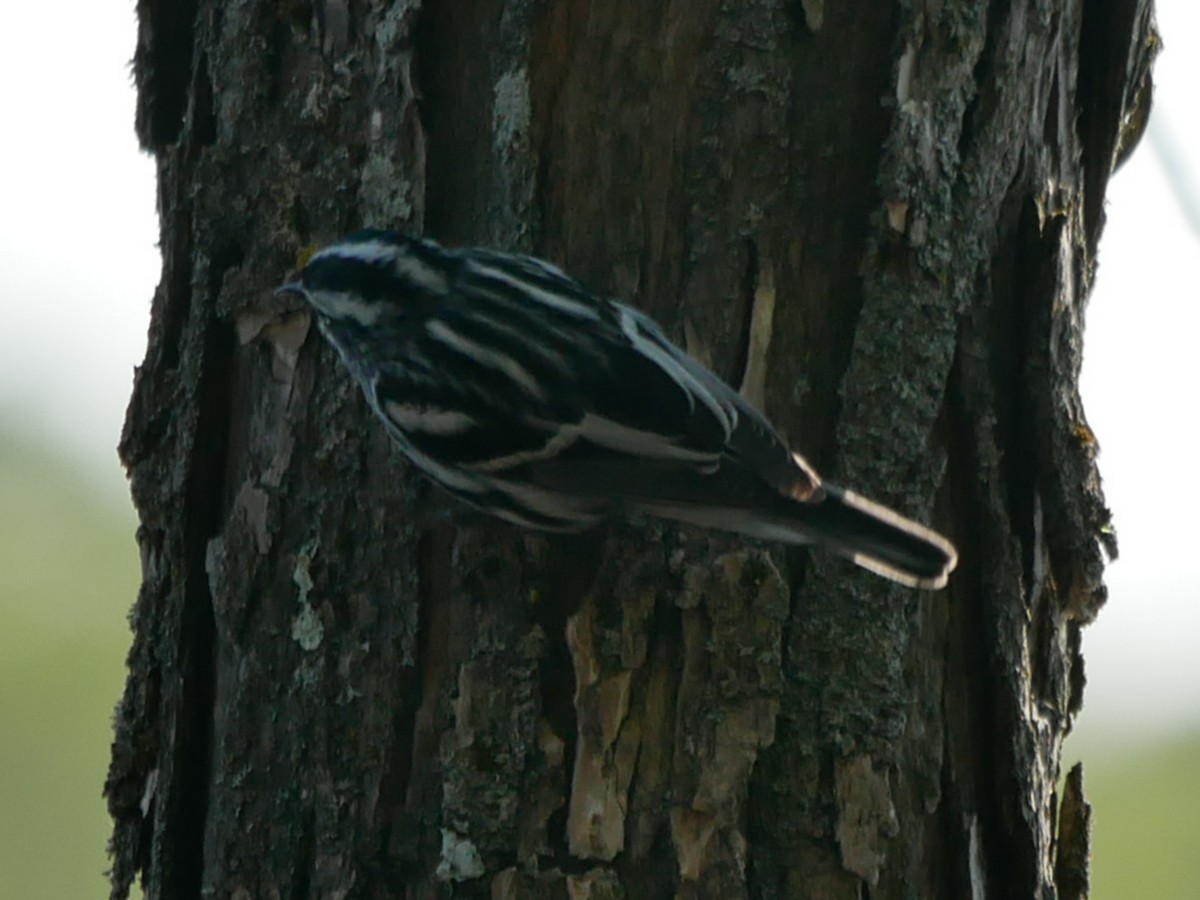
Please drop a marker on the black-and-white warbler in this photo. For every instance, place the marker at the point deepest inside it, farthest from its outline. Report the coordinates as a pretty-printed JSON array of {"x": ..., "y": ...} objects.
[{"x": 528, "y": 396}]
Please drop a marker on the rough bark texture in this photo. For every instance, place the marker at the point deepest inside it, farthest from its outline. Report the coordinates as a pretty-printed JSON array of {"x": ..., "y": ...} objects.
[{"x": 879, "y": 221}]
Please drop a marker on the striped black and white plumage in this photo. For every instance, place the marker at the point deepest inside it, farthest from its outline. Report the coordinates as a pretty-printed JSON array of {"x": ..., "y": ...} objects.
[{"x": 528, "y": 396}]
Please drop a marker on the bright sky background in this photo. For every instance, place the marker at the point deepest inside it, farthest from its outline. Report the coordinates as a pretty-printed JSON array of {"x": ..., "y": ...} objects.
[{"x": 78, "y": 266}]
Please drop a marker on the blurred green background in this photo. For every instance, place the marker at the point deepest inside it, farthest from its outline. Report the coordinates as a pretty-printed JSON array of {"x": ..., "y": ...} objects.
[{"x": 69, "y": 574}]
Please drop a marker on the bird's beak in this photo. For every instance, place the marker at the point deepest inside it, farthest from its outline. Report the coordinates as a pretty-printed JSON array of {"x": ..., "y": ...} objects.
[{"x": 291, "y": 287}]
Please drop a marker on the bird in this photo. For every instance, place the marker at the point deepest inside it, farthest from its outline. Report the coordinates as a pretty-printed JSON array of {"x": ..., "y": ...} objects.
[{"x": 539, "y": 401}]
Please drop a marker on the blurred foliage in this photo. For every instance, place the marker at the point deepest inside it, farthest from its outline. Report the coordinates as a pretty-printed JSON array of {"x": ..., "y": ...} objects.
[
  {"x": 1145, "y": 818},
  {"x": 68, "y": 576}
]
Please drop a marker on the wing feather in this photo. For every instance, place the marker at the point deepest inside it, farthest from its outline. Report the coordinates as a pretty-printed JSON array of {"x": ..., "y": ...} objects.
[{"x": 527, "y": 363}]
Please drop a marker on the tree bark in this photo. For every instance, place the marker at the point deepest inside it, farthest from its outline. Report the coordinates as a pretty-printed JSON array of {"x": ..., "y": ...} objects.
[{"x": 880, "y": 222}]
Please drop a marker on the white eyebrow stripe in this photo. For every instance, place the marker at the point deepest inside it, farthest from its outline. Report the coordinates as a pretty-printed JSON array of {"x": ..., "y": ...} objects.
[
  {"x": 445, "y": 335},
  {"x": 404, "y": 263},
  {"x": 552, "y": 299},
  {"x": 363, "y": 251},
  {"x": 344, "y": 305}
]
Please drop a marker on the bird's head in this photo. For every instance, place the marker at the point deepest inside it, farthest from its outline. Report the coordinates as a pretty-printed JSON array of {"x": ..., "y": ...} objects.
[{"x": 371, "y": 276}]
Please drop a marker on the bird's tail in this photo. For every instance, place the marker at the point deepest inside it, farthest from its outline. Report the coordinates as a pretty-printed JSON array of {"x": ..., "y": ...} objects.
[
  {"x": 868, "y": 534},
  {"x": 876, "y": 538},
  {"x": 852, "y": 526}
]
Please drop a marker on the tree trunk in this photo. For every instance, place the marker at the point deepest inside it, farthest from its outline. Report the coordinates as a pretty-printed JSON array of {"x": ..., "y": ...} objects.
[{"x": 881, "y": 226}]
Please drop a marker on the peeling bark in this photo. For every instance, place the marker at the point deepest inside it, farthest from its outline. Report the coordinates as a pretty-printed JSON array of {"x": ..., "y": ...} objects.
[{"x": 882, "y": 226}]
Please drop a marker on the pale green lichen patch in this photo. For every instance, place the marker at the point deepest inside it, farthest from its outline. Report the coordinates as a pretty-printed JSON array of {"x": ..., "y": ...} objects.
[
  {"x": 512, "y": 109},
  {"x": 460, "y": 859},
  {"x": 307, "y": 629},
  {"x": 384, "y": 192}
]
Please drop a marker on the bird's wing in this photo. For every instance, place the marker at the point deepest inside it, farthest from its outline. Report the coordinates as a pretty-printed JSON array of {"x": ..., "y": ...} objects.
[
  {"x": 523, "y": 363},
  {"x": 716, "y": 419}
]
